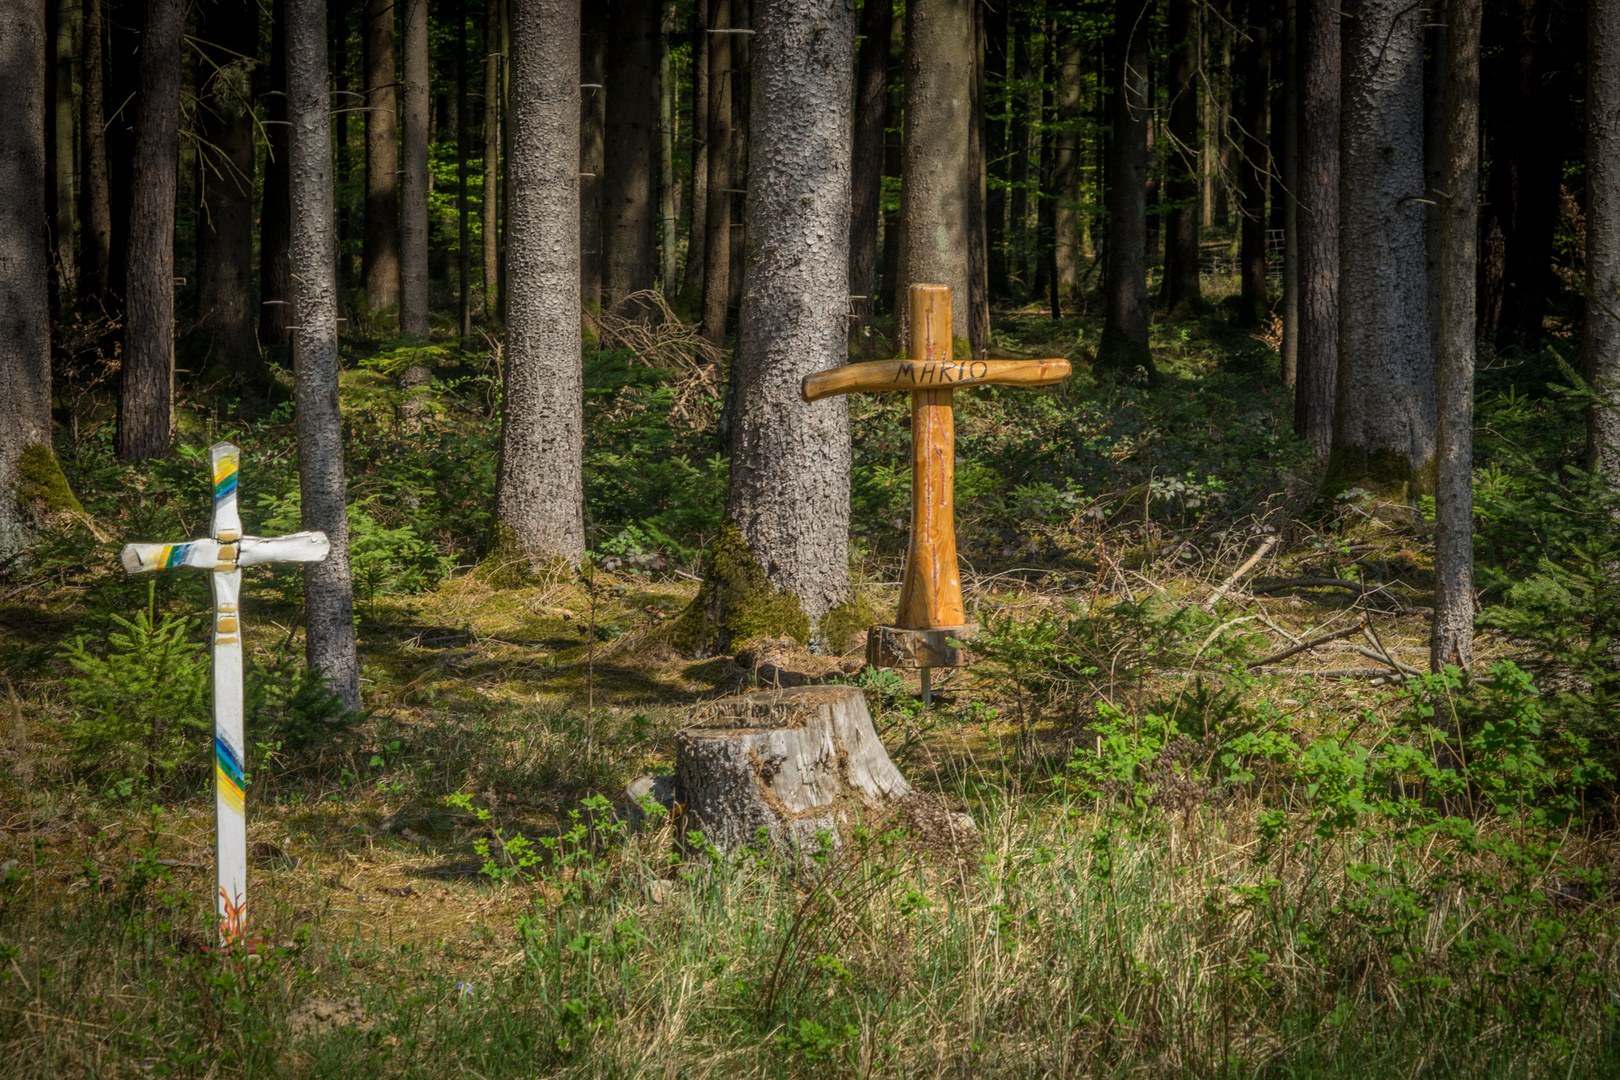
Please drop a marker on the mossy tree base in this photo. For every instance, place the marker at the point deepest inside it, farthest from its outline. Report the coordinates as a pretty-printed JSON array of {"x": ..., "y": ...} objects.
[
  {"x": 737, "y": 602},
  {"x": 506, "y": 565},
  {"x": 42, "y": 488},
  {"x": 1384, "y": 472},
  {"x": 840, "y": 626},
  {"x": 1118, "y": 353}
]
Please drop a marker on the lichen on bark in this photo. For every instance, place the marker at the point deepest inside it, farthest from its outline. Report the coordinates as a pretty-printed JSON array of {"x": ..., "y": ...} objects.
[{"x": 737, "y": 602}]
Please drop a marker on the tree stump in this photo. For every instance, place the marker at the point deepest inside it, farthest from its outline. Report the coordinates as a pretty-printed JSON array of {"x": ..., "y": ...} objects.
[{"x": 793, "y": 762}]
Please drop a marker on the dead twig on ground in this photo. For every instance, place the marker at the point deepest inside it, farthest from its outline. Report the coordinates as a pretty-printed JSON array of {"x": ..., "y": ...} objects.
[
  {"x": 1237, "y": 575},
  {"x": 1304, "y": 645}
]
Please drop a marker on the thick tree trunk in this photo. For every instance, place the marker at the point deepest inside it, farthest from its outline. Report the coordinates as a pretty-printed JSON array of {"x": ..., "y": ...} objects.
[
  {"x": 413, "y": 216},
  {"x": 717, "y": 245},
  {"x": 1384, "y": 412},
  {"x": 539, "y": 498},
  {"x": 95, "y": 249},
  {"x": 1318, "y": 186},
  {"x": 1124, "y": 345},
  {"x": 592, "y": 149},
  {"x": 276, "y": 306},
  {"x": 224, "y": 328},
  {"x": 629, "y": 205},
  {"x": 60, "y": 149},
  {"x": 1255, "y": 168},
  {"x": 146, "y": 391},
  {"x": 1182, "y": 289},
  {"x": 1290, "y": 194},
  {"x": 380, "y": 252},
  {"x": 329, "y": 643},
  {"x": 1452, "y": 641},
  {"x": 937, "y": 181},
  {"x": 997, "y": 39},
  {"x": 866, "y": 171},
  {"x": 1600, "y": 342},
  {"x": 666, "y": 154},
  {"x": 489, "y": 218},
  {"x": 25, "y": 327},
  {"x": 789, "y": 491}
]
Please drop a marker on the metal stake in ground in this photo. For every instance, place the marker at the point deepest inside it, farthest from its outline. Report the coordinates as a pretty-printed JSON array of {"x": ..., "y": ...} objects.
[
  {"x": 931, "y": 612},
  {"x": 225, "y": 553}
]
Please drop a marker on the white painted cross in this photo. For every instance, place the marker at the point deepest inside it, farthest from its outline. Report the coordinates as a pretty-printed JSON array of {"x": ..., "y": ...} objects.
[{"x": 225, "y": 553}]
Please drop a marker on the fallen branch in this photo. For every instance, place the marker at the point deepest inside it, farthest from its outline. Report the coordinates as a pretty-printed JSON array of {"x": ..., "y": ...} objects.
[
  {"x": 1237, "y": 575},
  {"x": 1311, "y": 644},
  {"x": 1404, "y": 670},
  {"x": 1383, "y": 654},
  {"x": 1317, "y": 583}
]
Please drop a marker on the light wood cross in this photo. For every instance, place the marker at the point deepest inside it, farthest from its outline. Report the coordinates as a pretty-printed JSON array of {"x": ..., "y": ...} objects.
[
  {"x": 931, "y": 612},
  {"x": 226, "y": 553}
]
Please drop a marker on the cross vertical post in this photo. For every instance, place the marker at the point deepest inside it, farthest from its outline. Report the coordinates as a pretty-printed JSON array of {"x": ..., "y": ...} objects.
[{"x": 225, "y": 553}]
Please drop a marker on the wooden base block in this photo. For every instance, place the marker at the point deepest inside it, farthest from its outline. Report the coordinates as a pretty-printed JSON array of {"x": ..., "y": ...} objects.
[{"x": 899, "y": 647}]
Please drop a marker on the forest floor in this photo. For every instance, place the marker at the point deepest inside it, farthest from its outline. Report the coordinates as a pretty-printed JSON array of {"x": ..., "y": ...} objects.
[{"x": 1189, "y": 864}]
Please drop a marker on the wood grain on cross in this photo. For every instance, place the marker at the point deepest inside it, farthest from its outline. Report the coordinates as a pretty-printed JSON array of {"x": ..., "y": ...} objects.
[
  {"x": 225, "y": 553},
  {"x": 931, "y": 611}
]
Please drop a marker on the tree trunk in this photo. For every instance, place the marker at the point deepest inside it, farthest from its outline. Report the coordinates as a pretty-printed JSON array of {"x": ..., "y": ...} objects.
[
  {"x": 1182, "y": 292},
  {"x": 342, "y": 106},
  {"x": 146, "y": 391},
  {"x": 1290, "y": 194},
  {"x": 228, "y": 30},
  {"x": 380, "y": 252},
  {"x": 413, "y": 233},
  {"x": 539, "y": 498},
  {"x": 1124, "y": 345},
  {"x": 1066, "y": 169},
  {"x": 1384, "y": 414},
  {"x": 95, "y": 250},
  {"x": 892, "y": 164},
  {"x": 1434, "y": 154},
  {"x": 978, "y": 233},
  {"x": 629, "y": 208},
  {"x": 997, "y": 27},
  {"x": 25, "y": 327},
  {"x": 1046, "y": 276},
  {"x": 1018, "y": 134},
  {"x": 1255, "y": 168},
  {"x": 937, "y": 179},
  {"x": 866, "y": 171},
  {"x": 1600, "y": 341},
  {"x": 275, "y": 215},
  {"x": 329, "y": 643},
  {"x": 717, "y": 245},
  {"x": 1452, "y": 641},
  {"x": 1318, "y": 188},
  {"x": 666, "y": 153},
  {"x": 742, "y": 58},
  {"x": 489, "y": 218},
  {"x": 60, "y": 149},
  {"x": 697, "y": 198},
  {"x": 789, "y": 491},
  {"x": 463, "y": 141},
  {"x": 592, "y": 149}
]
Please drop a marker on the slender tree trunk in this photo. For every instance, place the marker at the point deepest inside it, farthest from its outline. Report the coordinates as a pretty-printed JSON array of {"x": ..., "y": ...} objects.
[
  {"x": 936, "y": 189},
  {"x": 60, "y": 149},
  {"x": 539, "y": 498},
  {"x": 1182, "y": 292},
  {"x": 1600, "y": 341},
  {"x": 789, "y": 491},
  {"x": 380, "y": 252},
  {"x": 1452, "y": 641},
  {"x": 489, "y": 218},
  {"x": 691, "y": 297},
  {"x": 866, "y": 171},
  {"x": 1318, "y": 188},
  {"x": 1255, "y": 168},
  {"x": 978, "y": 233},
  {"x": 120, "y": 27},
  {"x": 997, "y": 27},
  {"x": 329, "y": 643},
  {"x": 463, "y": 140},
  {"x": 742, "y": 58},
  {"x": 146, "y": 391},
  {"x": 342, "y": 106},
  {"x": 1066, "y": 168},
  {"x": 25, "y": 327},
  {"x": 95, "y": 251},
  {"x": 1046, "y": 273},
  {"x": 413, "y": 253},
  {"x": 1124, "y": 345},
  {"x": 275, "y": 215},
  {"x": 893, "y": 164},
  {"x": 666, "y": 153},
  {"x": 1290, "y": 195},
  {"x": 229, "y": 33},
  {"x": 592, "y": 149},
  {"x": 629, "y": 206},
  {"x": 1018, "y": 134},
  {"x": 1434, "y": 154},
  {"x": 1384, "y": 410},
  {"x": 717, "y": 246}
]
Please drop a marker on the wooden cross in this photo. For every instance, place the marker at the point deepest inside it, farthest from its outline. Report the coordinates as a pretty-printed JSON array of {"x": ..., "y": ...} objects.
[
  {"x": 931, "y": 612},
  {"x": 225, "y": 553}
]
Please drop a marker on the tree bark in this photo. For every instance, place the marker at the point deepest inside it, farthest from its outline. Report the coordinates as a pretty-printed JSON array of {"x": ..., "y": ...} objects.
[
  {"x": 592, "y": 149},
  {"x": 1020, "y": 107},
  {"x": 1255, "y": 167},
  {"x": 1066, "y": 169},
  {"x": 1124, "y": 345},
  {"x": 629, "y": 206},
  {"x": 697, "y": 198},
  {"x": 60, "y": 150},
  {"x": 1434, "y": 153},
  {"x": 1384, "y": 413},
  {"x": 1290, "y": 194},
  {"x": 978, "y": 230},
  {"x": 413, "y": 233},
  {"x": 146, "y": 390},
  {"x": 539, "y": 498},
  {"x": 489, "y": 218},
  {"x": 275, "y": 215},
  {"x": 329, "y": 642},
  {"x": 1182, "y": 292},
  {"x": 937, "y": 178},
  {"x": 717, "y": 245},
  {"x": 229, "y": 32},
  {"x": 95, "y": 249},
  {"x": 463, "y": 141},
  {"x": 380, "y": 252},
  {"x": 1600, "y": 341},
  {"x": 892, "y": 164},
  {"x": 866, "y": 170},
  {"x": 1318, "y": 188},
  {"x": 998, "y": 103},
  {"x": 666, "y": 153},
  {"x": 1452, "y": 640},
  {"x": 25, "y": 328},
  {"x": 789, "y": 490}
]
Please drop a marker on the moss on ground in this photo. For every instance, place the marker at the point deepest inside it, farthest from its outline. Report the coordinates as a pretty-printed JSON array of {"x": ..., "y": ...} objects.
[
  {"x": 1384, "y": 472},
  {"x": 737, "y": 602},
  {"x": 840, "y": 625}
]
